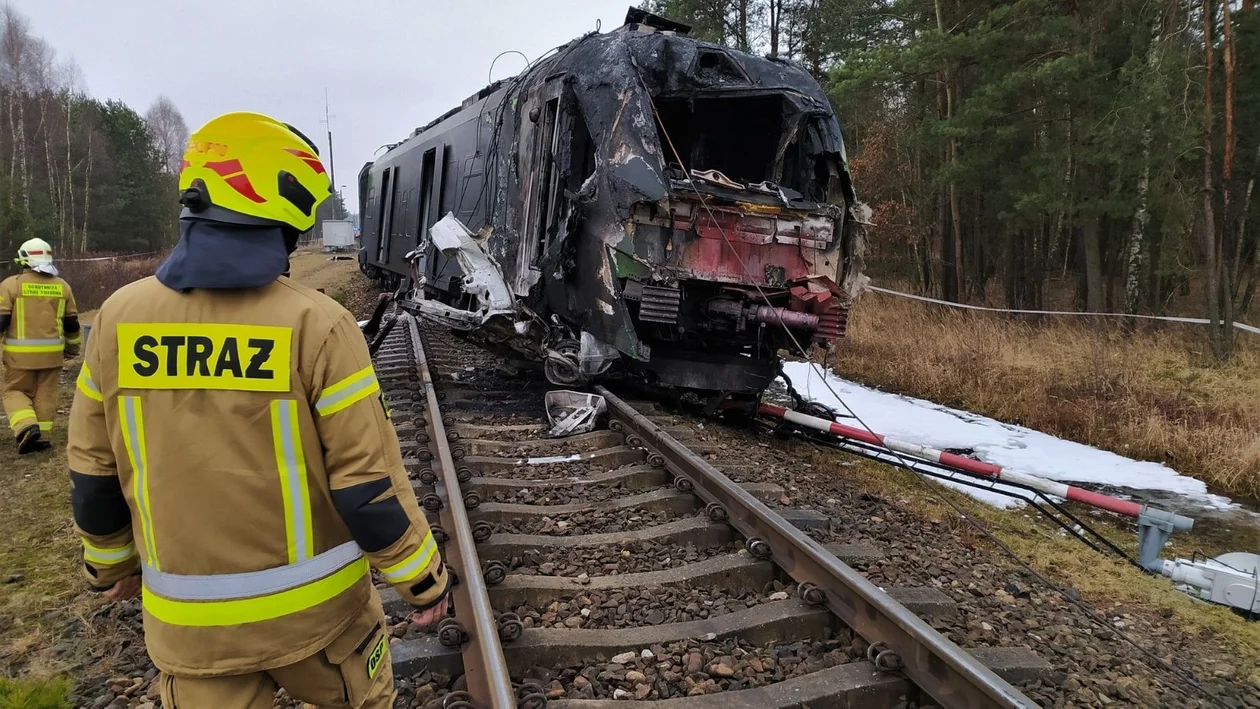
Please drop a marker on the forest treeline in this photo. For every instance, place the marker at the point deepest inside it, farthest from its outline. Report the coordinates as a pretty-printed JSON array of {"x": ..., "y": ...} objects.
[
  {"x": 84, "y": 174},
  {"x": 1098, "y": 154}
]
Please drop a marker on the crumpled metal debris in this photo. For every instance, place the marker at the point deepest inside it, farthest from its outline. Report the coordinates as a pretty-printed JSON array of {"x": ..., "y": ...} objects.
[
  {"x": 572, "y": 412},
  {"x": 716, "y": 177}
]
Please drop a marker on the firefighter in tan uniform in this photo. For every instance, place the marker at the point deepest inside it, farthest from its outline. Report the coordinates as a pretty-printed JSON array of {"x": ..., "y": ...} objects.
[
  {"x": 229, "y": 442},
  {"x": 39, "y": 324}
]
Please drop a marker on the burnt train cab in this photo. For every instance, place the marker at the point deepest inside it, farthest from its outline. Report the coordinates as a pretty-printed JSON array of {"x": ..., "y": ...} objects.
[{"x": 638, "y": 200}]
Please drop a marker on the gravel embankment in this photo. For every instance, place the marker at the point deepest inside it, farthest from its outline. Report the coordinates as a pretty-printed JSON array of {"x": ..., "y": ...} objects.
[
  {"x": 635, "y": 557},
  {"x": 595, "y": 522},
  {"x": 689, "y": 669},
  {"x": 604, "y": 610},
  {"x": 999, "y": 604}
]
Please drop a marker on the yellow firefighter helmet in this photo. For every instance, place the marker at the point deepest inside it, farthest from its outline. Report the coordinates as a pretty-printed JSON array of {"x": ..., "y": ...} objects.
[{"x": 248, "y": 168}]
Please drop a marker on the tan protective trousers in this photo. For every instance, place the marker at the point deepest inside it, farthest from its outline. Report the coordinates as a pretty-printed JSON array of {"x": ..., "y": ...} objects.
[
  {"x": 352, "y": 672},
  {"x": 30, "y": 398}
]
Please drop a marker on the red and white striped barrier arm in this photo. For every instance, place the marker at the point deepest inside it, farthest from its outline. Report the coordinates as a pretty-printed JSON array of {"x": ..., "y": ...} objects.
[{"x": 953, "y": 460}]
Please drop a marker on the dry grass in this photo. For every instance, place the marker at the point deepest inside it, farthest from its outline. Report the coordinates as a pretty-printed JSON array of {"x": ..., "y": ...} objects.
[
  {"x": 1155, "y": 395},
  {"x": 50, "y": 606},
  {"x": 51, "y": 600},
  {"x": 94, "y": 281}
]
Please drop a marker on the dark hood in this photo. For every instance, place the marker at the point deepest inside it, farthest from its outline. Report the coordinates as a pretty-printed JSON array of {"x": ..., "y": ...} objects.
[{"x": 217, "y": 255}]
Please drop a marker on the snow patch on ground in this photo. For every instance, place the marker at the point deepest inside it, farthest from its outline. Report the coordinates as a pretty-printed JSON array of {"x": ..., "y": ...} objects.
[{"x": 1012, "y": 447}]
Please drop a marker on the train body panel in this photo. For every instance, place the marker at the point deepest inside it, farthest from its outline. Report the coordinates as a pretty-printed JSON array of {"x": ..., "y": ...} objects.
[{"x": 645, "y": 200}]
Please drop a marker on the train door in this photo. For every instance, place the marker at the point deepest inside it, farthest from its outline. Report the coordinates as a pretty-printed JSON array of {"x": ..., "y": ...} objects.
[
  {"x": 368, "y": 234},
  {"x": 537, "y": 161},
  {"x": 404, "y": 220},
  {"x": 431, "y": 170},
  {"x": 397, "y": 224},
  {"x": 446, "y": 182},
  {"x": 385, "y": 205},
  {"x": 558, "y": 156}
]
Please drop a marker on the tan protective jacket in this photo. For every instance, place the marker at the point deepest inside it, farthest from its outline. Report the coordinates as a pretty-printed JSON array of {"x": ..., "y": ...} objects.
[
  {"x": 238, "y": 443},
  {"x": 39, "y": 321}
]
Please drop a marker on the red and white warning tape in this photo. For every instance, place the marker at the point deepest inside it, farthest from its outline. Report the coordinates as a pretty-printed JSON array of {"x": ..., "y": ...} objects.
[
  {"x": 1166, "y": 318},
  {"x": 953, "y": 460},
  {"x": 110, "y": 258}
]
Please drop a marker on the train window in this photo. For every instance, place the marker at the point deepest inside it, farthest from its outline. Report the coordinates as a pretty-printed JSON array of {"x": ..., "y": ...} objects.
[{"x": 739, "y": 136}]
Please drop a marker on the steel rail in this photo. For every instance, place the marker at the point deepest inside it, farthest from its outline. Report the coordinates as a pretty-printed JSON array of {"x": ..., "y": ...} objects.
[
  {"x": 485, "y": 667},
  {"x": 945, "y": 671}
]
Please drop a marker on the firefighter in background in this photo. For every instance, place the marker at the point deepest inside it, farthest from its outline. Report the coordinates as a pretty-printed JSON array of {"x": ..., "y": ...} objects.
[
  {"x": 231, "y": 453},
  {"x": 39, "y": 324}
]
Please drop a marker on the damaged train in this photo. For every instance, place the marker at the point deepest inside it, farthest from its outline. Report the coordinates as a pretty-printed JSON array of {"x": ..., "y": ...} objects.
[{"x": 637, "y": 201}]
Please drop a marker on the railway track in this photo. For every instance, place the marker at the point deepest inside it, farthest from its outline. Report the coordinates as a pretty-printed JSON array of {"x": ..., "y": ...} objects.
[{"x": 623, "y": 565}]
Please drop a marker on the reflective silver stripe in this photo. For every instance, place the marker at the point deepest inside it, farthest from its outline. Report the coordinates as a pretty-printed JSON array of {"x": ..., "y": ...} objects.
[
  {"x": 327, "y": 403},
  {"x": 421, "y": 560},
  {"x": 293, "y": 472},
  {"x": 102, "y": 555},
  {"x": 87, "y": 386},
  {"x": 35, "y": 343},
  {"x": 227, "y": 587},
  {"x": 133, "y": 428}
]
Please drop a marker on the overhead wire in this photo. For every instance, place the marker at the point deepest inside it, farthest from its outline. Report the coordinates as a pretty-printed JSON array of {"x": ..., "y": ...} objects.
[
  {"x": 490, "y": 71},
  {"x": 490, "y": 161},
  {"x": 1089, "y": 612}
]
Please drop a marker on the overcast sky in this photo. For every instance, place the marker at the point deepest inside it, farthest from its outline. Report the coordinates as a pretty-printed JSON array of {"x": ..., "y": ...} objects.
[{"x": 389, "y": 65}]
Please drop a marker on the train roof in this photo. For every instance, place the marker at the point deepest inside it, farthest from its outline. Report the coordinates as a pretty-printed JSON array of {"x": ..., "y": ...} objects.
[{"x": 666, "y": 63}]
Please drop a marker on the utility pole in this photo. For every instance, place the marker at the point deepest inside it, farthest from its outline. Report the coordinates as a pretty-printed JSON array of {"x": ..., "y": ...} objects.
[{"x": 332, "y": 169}]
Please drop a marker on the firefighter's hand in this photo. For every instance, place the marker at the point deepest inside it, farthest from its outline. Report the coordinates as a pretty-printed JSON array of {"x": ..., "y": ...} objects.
[
  {"x": 430, "y": 616},
  {"x": 125, "y": 589}
]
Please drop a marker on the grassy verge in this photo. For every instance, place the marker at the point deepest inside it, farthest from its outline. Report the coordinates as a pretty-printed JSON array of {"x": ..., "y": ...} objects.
[
  {"x": 45, "y": 602},
  {"x": 34, "y": 694},
  {"x": 1155, "y": 395}
]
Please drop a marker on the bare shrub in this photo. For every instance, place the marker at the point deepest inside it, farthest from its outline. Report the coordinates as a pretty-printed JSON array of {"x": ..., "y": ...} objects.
[{"x": 94, "y": 281}]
